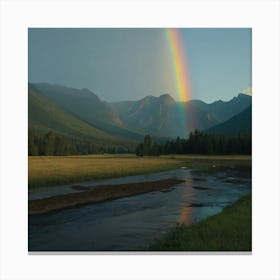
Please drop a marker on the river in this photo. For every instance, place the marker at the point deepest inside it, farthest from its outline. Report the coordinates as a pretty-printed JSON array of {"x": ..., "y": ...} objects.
[{"x": 131, "y": 223}]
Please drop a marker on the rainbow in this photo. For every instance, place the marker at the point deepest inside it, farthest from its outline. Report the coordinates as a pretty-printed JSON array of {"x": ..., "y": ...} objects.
[
  {"x": 181, "y": 75},
  {"x": 179, "y": 61}
]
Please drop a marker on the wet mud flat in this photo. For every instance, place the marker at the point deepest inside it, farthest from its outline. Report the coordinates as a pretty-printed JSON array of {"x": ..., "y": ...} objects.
[{"x": 97, "y": 194}]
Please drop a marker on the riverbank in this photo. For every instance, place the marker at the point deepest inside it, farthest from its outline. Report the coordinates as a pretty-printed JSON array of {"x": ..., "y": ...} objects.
[
  {"x": 59, "y": 170},
  {"x": 97, "y": 194},
  {"x": 230, "y": 230}
]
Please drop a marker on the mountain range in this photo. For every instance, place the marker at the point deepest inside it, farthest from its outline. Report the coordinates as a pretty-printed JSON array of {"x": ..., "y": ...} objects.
[
  {"x": 81, "y": 114},
  {"x": 165, "y": 117}
]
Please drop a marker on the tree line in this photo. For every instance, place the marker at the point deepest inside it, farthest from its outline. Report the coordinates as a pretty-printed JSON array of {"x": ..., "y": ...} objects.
[
  {"x": 197, "y": 143},
  {"x": 51, "y": 144}
]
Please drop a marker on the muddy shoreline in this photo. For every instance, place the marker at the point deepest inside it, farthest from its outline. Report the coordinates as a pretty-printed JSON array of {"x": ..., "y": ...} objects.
[{"x": 97, "y": 194}]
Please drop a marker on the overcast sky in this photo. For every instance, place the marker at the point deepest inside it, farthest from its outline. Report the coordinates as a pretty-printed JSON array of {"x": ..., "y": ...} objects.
[{"x": 128, "y": 64}]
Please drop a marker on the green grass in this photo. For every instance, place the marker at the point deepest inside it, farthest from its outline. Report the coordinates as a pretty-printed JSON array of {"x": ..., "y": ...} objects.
[
  {"x": 57, "y": 170},
  {"x": 230, "y": 230}
]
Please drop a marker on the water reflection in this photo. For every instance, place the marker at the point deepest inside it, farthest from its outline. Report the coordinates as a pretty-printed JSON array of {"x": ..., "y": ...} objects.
[
  {"x": 186, "y": 216},
  {"x": 187, "y": 195}
]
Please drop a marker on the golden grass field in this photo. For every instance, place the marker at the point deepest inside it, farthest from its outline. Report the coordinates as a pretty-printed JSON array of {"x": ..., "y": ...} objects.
[{"x": 57, "y": 170}]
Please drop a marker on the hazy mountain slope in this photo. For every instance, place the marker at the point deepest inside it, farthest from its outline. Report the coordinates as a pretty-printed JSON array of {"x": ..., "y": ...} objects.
[
  {"x": 165, "y": 117},
  {"x": 82, "y": 103},
  {"x": 85, "y": 105},
  {"x": 241, "y": 123},
  {"x": 197, "y": 118},
  {"x": 149, "y": 113},
  {"x": 224, "y": 110},
  {"x": 44, "y": 115}
]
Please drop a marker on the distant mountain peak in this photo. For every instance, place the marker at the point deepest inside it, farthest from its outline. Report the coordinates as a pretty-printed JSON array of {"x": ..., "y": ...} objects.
[
  {"x": 163, "y": 99},
  {"x": 247, "y": 91},
  {"x": 166, "y": 99},
  {"x": 149, "y": 97}
]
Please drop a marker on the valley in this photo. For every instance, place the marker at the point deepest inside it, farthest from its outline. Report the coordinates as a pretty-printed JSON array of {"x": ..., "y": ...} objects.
[{"x": 139, "y": 139}]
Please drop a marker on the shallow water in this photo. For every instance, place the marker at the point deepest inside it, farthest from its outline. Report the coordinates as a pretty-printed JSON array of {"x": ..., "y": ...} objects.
[{"x": 131, "y": 223}]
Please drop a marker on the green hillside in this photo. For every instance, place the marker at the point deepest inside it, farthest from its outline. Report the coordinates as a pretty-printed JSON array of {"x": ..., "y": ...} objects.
[
  {"x": 81, "y": 102},
  {"x": 44, "y": 115},
  {"x": 241, "y": 123},
  {"x": 85, "y": 105}
]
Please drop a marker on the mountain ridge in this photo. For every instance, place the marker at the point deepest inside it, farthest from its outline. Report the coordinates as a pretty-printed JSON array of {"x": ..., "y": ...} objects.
[{"x": 162, "y": 116}]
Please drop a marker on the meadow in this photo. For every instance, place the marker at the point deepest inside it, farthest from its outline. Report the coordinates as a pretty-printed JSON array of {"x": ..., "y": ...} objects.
[{"x": 58, "y": 170}]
